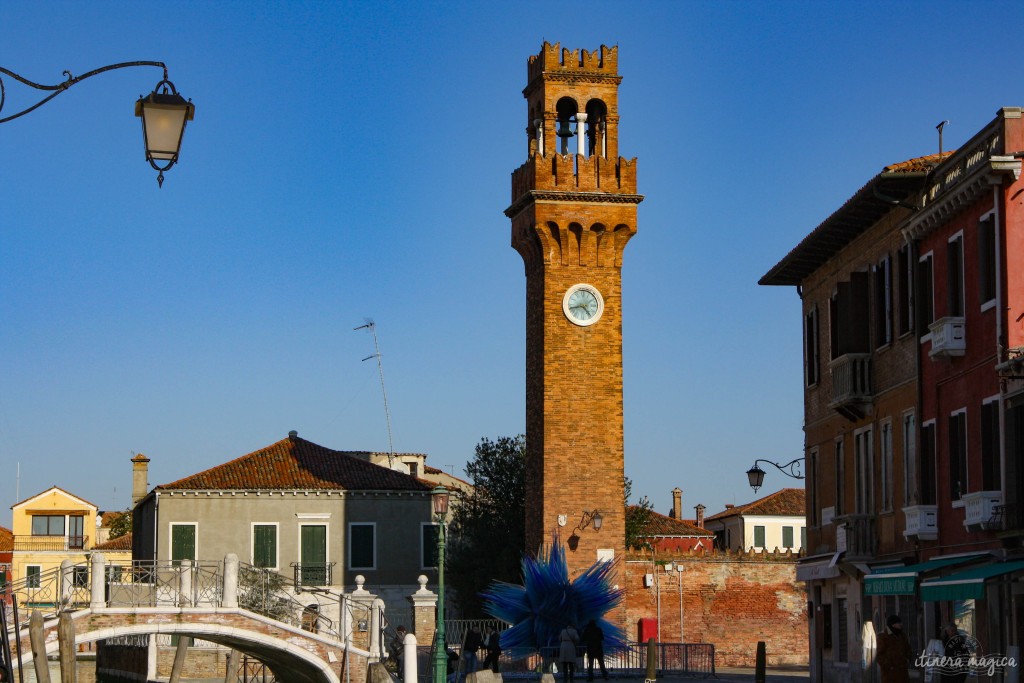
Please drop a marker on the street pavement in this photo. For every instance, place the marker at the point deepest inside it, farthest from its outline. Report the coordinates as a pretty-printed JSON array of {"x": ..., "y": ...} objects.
[{"x": 774, "y": 674}]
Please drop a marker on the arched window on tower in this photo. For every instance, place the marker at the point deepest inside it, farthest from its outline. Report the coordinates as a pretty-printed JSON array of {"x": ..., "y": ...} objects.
[
  {"x": 597, "y": 128},
  {"x": 566, "y": 111}
]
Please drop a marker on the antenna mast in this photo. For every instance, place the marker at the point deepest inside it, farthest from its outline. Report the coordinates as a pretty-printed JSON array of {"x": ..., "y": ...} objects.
[{"x": 380, "y": 368}]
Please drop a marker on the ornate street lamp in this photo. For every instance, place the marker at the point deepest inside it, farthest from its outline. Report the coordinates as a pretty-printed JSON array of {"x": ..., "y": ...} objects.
[
  {"x": 439, "y": 497},
  {"x": 164, "y": 112},
  {"x": 755, "y": 475}
]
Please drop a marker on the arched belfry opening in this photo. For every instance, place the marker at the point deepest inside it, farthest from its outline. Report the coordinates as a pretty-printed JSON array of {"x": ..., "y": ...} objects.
[
  {"x": 567, "y": 113},
  {"x": 597, "y": 128}
]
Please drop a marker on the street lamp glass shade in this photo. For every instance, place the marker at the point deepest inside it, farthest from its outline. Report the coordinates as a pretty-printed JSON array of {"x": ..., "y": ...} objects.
[
  {"x": 439, "y": 497},
  {"x": 755, "y": 475},
  {"x": 598, "y": 520},
  {"x": 164, "y": 117}
]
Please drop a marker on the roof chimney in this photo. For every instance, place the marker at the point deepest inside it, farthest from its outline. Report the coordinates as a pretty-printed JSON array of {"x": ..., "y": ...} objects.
[
  {"x": 140, "y": 478},
  {"x": 700, "y": 515},
  {"x": 677, "y": 503}
]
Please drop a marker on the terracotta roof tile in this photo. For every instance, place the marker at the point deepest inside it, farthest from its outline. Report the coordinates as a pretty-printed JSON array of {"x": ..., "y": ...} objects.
[
  {"x": 786, "y": 502},
  {"x": 663, "y": 525},
  {"x": 6, "y": 540},
  {"x": 119, "y": 543},
  {"x": 297, "y": 464}
]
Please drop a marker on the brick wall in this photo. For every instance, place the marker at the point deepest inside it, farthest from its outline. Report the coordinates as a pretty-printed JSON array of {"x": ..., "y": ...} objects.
[{"x": 729, "y": 599}]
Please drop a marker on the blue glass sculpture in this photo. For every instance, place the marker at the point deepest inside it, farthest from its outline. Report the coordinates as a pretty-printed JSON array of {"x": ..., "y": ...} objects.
[{"x": 548, "y": 601}]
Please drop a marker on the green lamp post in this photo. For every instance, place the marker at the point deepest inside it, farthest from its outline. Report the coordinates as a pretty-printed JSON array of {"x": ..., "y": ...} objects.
[{"x": 439, "y": 498}]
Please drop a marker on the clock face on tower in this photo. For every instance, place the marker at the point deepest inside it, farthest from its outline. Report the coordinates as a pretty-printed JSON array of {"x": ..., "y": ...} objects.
[{"x": 583, "y": 304}]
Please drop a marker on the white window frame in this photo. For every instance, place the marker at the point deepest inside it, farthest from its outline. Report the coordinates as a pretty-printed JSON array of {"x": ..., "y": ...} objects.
[
  {"x": 348, "y": 548},
  {"x": 885, "y": 463},
  {"x": 966, "y": 484},
  {"x": 957, "y": 237},
  {"x": 170, "y": 538},
  {"x": 863, "y": 464},
  {"x": 909, "y": 426}
]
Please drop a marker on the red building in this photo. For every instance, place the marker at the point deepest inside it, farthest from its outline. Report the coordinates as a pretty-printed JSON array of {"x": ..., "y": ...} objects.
[{"x": 913, "y": 335}]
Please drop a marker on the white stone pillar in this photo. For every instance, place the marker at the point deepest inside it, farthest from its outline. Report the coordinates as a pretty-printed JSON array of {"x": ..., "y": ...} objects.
[
  {"x": 409, "y": 659},
  {"x": 581, "y": 134},
  {"x": 376, "y": 642},
  {"x": 185, "y": 584},
  {"x": 98, "y": 599},
  {"x": 230, "y": 598}
]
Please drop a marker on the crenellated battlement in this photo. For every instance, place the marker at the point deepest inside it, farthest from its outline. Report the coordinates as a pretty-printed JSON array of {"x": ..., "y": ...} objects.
[
  {"x": 604, "y": 60},
  {"x": 575, "y": 173}
]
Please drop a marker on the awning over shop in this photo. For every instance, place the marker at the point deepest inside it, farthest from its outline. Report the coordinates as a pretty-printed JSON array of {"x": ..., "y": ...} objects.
[
  {"x": 818, "y": 570},
  {"x": 903, "y": 580},
  {"x": 967, "y": 584}
]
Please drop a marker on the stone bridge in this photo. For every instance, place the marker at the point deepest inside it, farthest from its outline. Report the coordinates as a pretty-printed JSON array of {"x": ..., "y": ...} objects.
[
  {"x": 182, "y": 601},
  {"x": 293, "y": 654}
]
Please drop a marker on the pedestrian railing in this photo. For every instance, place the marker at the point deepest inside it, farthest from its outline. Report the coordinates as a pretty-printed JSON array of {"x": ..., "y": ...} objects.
[{"x": 682, "y": 659}]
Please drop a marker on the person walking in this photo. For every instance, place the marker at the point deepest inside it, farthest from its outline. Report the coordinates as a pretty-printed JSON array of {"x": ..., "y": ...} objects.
[
  {"x": 568, "y": 639},
  {"x": 492, "y": 645},
  {"x": 593, "y": 638},
  {"x": 894, "y": 654}
]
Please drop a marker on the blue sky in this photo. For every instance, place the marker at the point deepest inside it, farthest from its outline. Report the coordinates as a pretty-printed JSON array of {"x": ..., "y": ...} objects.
[{"x": 351, "y": 160}]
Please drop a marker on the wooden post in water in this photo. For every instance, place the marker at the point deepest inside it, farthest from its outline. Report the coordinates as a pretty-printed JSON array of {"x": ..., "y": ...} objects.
[
  {"x": 38, "y": 641},
  {"x": 66, "y": 643},
  {"x": 231, "y": 674},
  {"x": 652, "y": 661},
  {"x": 179, "y": 658},
  {"x": 760, "y": 662}
]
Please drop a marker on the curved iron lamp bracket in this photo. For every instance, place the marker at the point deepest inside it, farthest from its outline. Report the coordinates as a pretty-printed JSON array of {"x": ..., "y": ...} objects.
[
  {"x": 63, "y": 85},
  {"x": 755, "y": 475}
]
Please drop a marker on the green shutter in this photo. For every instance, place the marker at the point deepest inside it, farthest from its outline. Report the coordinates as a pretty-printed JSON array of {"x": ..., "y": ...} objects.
[
  {"x": 264, "y": 545},
  {"x": 314, "y": 555},
  {"x": 758, "y": 536},
  {"x": 787, "y": 537},
  {"x": 183, "y": 542}
]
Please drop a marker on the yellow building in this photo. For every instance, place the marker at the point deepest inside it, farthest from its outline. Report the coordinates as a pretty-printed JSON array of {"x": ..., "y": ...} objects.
[{"x": 51, "y": 527}]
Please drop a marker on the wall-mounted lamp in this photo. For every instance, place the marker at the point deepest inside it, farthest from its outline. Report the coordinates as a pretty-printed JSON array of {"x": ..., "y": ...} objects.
[
  {"x": 755, "y": 475},
  {"x": 164, "y": 112},
  {"x": 591, "y": 518}
]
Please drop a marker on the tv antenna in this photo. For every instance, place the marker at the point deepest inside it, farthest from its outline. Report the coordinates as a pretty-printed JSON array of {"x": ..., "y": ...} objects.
[{"x": 372, "y": 326}]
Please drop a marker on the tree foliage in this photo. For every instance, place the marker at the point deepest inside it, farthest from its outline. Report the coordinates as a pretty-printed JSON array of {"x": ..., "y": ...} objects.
[
  {"x": 121, "y": 525},
  {"x": 637, "y": 517},
  {"x": 488, "y": 531}
]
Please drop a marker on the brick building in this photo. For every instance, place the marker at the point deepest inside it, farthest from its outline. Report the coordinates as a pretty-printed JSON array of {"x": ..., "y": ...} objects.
[{"x": 911, "y": 307}]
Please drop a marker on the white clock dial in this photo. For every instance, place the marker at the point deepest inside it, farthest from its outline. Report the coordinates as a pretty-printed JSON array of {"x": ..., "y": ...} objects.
[{"x": 583, "y": 304}]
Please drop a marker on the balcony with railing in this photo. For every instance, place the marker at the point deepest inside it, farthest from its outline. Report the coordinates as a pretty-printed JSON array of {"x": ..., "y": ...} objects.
[
  {"x": 317, "y": 574},
  {"x": 921, "y": 522},
  {"x": 948, "y": 337},
  {"x": 860, "y": 537},
  {"x": 39, "y": 544},
  {"x": 980, "y": 508},
  {"x": 851, "y": 384}
]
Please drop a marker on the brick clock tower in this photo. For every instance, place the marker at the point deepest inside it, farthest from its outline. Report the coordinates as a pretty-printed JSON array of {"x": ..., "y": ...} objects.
[{"x": 574, "y": 208}]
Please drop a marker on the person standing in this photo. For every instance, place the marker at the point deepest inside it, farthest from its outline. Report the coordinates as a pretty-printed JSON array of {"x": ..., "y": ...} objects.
[
  {"x": 593, "y": 638},
  {"x": 492, "y": 645},
  {"x": 470, "y": 648},
  {"x": 894, "y": 655},
  {"x": 568, "y": 639},
  {"x": 956, "y": 653},
  {"x": 397, "y": 648}
]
